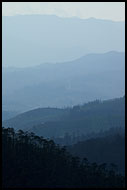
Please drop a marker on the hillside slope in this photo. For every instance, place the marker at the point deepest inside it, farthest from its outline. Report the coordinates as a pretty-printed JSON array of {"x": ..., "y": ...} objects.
[
  {"x": 94, "y": 76},
  {"x": 109, "y": 149},
  {"x": 91, "y": 117},
  {"x": 30, "y": 161},
  {"x": 57, "y": 39}
]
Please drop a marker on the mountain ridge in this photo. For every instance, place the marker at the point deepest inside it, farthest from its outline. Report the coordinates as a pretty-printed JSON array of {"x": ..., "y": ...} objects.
[
  {"x": 70, "y": 38},
  {"x": 65, "y": 17},
  {"x": 65, "y": 84},
  {"x": 66, "y": 62},
  {"x": 90, "y": 117}
]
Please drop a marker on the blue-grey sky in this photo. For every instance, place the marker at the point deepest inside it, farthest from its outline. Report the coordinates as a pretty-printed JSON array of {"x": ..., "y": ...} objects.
[{"x": 102, "y": 10}]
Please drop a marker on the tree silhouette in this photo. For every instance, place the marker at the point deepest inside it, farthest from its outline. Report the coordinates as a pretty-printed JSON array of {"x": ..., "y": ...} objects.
[{"x": 35, "y": 162}]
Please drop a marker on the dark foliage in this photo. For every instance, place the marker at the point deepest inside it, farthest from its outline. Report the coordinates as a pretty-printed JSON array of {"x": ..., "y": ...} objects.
[
  {"x": 108, "y": 149},
  {"x": 70, "y": 139},
  {"x": 32, "y": 161}
]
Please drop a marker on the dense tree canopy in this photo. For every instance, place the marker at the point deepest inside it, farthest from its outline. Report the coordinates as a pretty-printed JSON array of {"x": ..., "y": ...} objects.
[{"x": 32, "y": 161}]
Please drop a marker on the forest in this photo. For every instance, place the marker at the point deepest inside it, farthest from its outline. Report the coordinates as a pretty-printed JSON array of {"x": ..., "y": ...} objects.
[
  {"x": 90, "y": 117},
  {"x": 63, "y": 95},
  {"x": 33, "y": 161}
]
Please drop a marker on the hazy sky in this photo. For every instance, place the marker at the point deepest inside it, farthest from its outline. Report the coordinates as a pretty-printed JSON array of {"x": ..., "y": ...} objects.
[{"x": 103, "y": 10}]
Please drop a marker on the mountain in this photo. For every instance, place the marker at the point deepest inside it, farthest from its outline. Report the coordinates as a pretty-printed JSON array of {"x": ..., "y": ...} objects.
[
  {"x": 109, "y": 149},
  {"x": 30, "y": 161},
  {"x": 94, "y": 76},
  {"x": 38, "y": 39},
  {"x": 73, "y": 138},
  {"x": 34, "y": 117},
  {"x": 94, "y": 116},
  {"x": 8, "y": 114}
]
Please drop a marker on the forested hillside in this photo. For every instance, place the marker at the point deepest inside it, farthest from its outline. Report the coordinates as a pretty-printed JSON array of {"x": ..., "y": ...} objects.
[
  {"x": 63, "y": 95},
  {"x": 109, "y": 149},
  {"x": 32, "y": 161},
  {"x": 91, "y": 117}
]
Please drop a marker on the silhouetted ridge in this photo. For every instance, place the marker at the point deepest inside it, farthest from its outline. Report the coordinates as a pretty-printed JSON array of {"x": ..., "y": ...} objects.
[
  {"x": 83, "y": 119},
  {"x": 32, "y": 161}
]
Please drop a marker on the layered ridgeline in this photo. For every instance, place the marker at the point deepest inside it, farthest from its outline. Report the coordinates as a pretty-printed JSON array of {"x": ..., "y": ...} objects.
[
  {"x": 94, "y": 76},
  {"x": 57, "y": 39},
  {"x": 83, "y": 119},
  {"x": 94, "y": 130}
]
